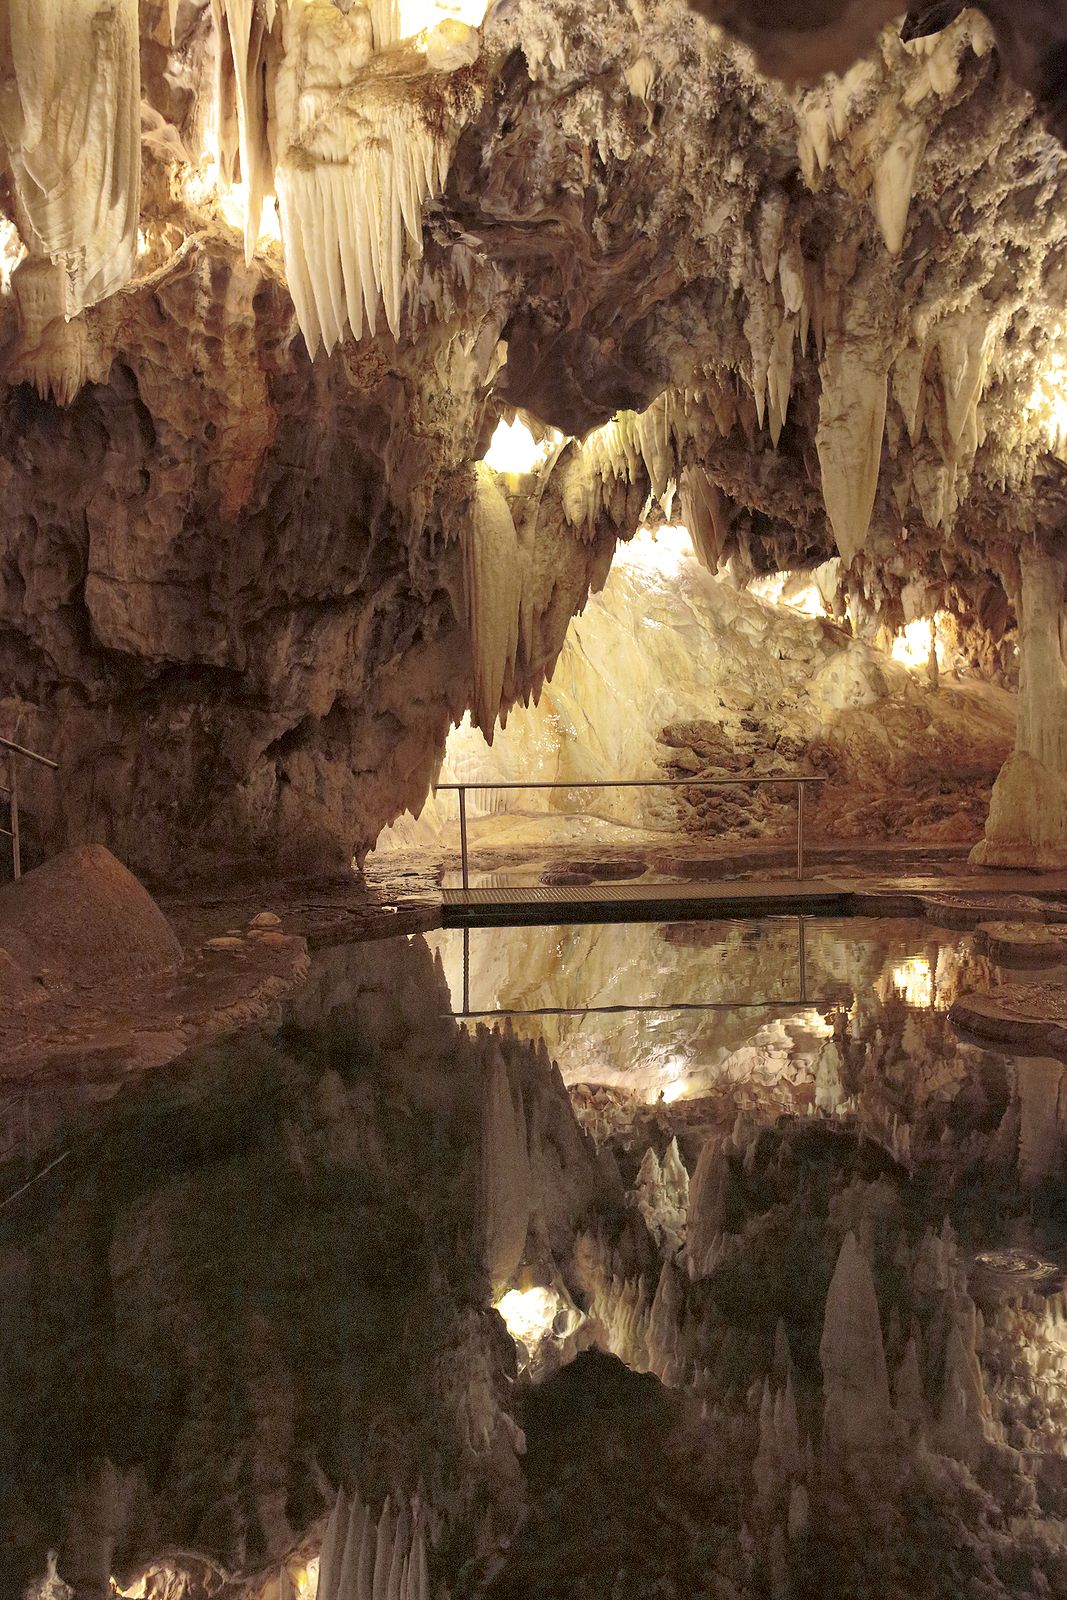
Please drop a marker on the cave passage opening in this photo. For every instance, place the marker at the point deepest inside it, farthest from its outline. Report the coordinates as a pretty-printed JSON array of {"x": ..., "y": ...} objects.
[{"x": 671, "y": 672}]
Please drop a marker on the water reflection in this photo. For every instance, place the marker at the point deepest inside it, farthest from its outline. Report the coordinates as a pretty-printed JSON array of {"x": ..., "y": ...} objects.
[
  {"x": 672, "y": 1011},
  {"x": 262, "y": 1282}
]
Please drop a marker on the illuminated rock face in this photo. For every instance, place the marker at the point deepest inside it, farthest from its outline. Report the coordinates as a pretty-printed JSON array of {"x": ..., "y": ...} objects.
[
  {"x": 252, "y": 567},
  {"x": 672, "y": 672}
]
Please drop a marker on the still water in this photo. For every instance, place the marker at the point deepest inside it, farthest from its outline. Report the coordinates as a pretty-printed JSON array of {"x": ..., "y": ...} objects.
[
  {"x": 267, "y": 1272},
  {"x": 672, "y": 1009}
]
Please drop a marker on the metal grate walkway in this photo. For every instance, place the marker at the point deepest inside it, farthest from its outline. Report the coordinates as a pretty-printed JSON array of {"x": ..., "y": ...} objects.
[{"x": 636, "y": 901}]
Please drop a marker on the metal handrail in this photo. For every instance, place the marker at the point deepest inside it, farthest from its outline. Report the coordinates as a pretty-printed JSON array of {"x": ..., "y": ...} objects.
[
  {"x": 31, "y": 755},
  {"x": 11, "y": 790},
  {"x": 800, "y": 779}
]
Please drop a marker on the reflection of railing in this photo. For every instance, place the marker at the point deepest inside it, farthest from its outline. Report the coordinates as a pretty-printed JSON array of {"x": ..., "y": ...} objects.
[
  {"x": 800, "y": 780},
  {"x": 15, "y": 753},
  {"x": 32, "y": 1122},
  {"x": 603, "y": 1011}
]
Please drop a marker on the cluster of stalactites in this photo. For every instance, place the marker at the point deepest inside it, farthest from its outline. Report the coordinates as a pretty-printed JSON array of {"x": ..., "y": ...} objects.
[
  {"x": 649, "y": 440},
  {"x": 879, "y": 119},
  {"x": 374, "y": 1558},
  {"x": 351, "y": 156}
]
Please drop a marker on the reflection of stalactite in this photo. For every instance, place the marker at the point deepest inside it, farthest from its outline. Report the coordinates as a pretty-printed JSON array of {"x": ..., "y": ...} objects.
[
  {"x": 1042, "y": 1088},
  {"x": 368, "y": 1558}
]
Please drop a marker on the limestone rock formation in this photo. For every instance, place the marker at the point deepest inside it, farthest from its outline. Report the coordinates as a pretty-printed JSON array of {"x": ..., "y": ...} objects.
[{"x": 254, "y": 563}]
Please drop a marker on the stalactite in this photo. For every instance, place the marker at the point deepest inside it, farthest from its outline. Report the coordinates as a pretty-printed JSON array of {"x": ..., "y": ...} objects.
[
  {"x": 493, "y": 592},
  {"x": 851, "y": 422},
  {"x": 70, "y": 119},
  {"x": 894, "y": 182}
]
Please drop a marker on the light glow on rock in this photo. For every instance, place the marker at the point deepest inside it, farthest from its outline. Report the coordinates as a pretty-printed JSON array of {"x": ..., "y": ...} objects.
[
  {"x": 1048, "y": 402},
  {"x": 675, "y": 1090},
  {"x": 664, "y": 550},
  {"x": 202, "y": 188},
  {"x": 12, "y": 251},
  {"x": 514, "y": 451},
  {"x": 529, "y": 1313},
  {"x": 913, "y": 644},
  {"x": 306, "y": 1580},
  {"x": 790, "y": 589},
  {"x": 419, "y": 16}
]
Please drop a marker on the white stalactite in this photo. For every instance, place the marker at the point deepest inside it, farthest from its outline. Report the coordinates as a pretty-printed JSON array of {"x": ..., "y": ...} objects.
[
  {"x": 344, "y": 225},
  {"x": 851, "y": 422},
  {"x": 242, "y": 129},
  {"x": 894, "y": 182},
  {"x": 963, "y": 342},
  {"x": 493, "y": 594},
  {"x": 704, "y": 514},
  {"x": 70, "y": 119}
]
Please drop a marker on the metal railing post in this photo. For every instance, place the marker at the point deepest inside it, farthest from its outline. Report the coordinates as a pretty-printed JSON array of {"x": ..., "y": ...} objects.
[
  {"x": 463, "y": 833},
  {"x": 13, "y": 798},
  {"x": 800, "y": 831},
  {"x": 802, "y": 933}
]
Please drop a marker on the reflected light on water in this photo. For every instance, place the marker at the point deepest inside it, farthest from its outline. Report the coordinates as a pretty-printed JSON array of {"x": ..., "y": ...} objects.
[
  {"x": 913, "y": 980},
  {"x": 814, "y": 1022}
]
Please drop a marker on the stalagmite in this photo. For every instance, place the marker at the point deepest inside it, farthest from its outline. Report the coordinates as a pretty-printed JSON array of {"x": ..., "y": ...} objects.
[
  {"x": 662, "y": 1193},
  {"x": 1042, "y": 1089},
  {"x": 857, "y": 1413},
  {"x": 964, "y": 1416},
  {"x": 908, "y": 1387},
  {"x": 1027, "y": 824},
  {"x": 664, "y": 1357}
]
